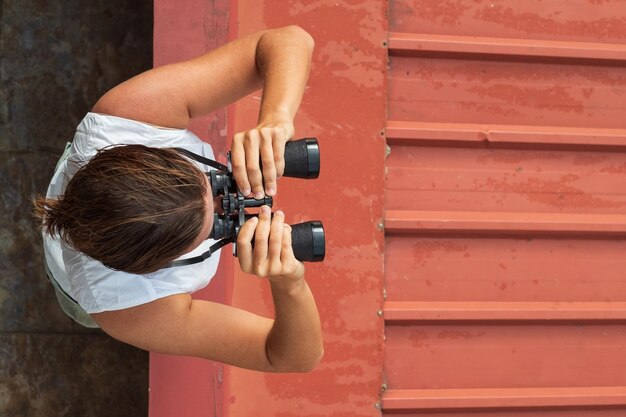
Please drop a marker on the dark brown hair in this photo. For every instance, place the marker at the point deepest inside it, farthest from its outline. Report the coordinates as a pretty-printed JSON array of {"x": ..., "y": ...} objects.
[{"x": 132, "y": 207}]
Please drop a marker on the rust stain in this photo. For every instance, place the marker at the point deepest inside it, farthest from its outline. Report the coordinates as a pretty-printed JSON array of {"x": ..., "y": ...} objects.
[
  {"x": 589, "y": 159},
  {"x": 489, "y": 109},
  {"x": 614, "y": 169},
  {"x": 484, "y": 72},
  {"x": 459, "y": 334},
  {"x": 426, "y": 249},
  {"x": 552, "y": 98},
  {"x": 419, "y": 338},
  {"x": 344, "y": 59},
  {"x": 516, "y": 157},
  {"x": 444, "y": 13},
  {"x": 358, "y": 196},
  {"x": 558, "y": 194},
  {"x": 603, "y": 2},
  {"x": 344, "y": 378},
  {"x": 535, "y": 23}
]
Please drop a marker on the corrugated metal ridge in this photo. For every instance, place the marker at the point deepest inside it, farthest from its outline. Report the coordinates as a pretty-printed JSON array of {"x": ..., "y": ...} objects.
[
  {"x": 411, "y": 311},
  {"x": 485, "y": 398},
  {"x": 415, "y": 133},
  {"x": 417, "y": 222},
  {"x": 416, "y": 43}
]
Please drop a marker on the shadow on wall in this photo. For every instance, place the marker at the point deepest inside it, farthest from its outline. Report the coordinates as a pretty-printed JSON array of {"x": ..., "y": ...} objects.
[{"x": 57, "y": 58}]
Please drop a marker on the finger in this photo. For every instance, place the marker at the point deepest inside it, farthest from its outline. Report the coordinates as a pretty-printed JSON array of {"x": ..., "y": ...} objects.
[
  {"x": 275, "y": 241},
  {"x": 267, "y": 159},
  {"x": 290, "y": 265},
  {"x": 251, "y": 147},
  {"x": 244, "y": 244},
  {"x": 286, "y": 253},
  {"x": 238, "y": 162},
  {"x": 278, "y": 147},
  {"x": 261, "y": 236}
]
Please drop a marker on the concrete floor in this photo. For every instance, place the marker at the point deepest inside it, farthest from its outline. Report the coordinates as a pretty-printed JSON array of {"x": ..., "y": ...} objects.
[{"x": 57, "y": 57}]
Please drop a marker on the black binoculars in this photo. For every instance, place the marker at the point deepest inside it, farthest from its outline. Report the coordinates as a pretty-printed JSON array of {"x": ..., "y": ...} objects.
[{"x": 302, "y": 160}]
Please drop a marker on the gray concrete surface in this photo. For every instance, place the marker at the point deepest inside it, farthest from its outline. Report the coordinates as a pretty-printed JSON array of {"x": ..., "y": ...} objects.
[{"x": 56, "y": 58}]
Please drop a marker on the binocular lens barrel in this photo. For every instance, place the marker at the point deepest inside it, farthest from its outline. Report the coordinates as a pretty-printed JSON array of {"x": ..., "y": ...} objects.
[
  {"x": 307, "y": 239},
  {"x": 302, "y": 159},
  {"x": 308, "y": 242}
]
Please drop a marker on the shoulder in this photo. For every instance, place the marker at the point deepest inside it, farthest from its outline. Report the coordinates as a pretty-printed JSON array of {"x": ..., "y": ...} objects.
[
  {"x": 97, "y": 288},
  {"x": 97, "y": 131},
  {"x": 103, "y": 129}
]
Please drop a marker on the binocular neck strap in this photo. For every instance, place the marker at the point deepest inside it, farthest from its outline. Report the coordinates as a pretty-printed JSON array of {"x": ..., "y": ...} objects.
[
  {"x": 202, "y": 159},
  {"x": 197, "y": 259}
]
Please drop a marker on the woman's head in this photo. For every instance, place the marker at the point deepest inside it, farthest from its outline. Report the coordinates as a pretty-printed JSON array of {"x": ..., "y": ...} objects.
[{"x": 133, "y": 208}]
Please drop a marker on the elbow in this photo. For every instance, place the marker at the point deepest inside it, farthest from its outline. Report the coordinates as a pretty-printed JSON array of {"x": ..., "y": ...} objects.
[
  {"x": 304, "y": 365},
  {"x": 298, "y": 34},
  {"x": 312, "y": 363}
]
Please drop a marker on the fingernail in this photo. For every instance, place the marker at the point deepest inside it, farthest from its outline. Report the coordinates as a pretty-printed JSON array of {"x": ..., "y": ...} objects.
[
  {"x": 279, "y": 212},
  {"x": 265, "y": 209},
  {"x": 271, "y": 191},
  {"x": 246, "y": 191},
  {"x": 258, "y": 195}
]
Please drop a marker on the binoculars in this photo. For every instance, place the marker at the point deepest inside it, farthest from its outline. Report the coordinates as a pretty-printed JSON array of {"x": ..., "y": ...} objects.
[{"x": 302, "y": 160}]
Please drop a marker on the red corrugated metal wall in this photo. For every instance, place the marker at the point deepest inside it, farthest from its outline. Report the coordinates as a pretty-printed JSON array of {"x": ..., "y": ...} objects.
[{"x": 505, "y": 258}]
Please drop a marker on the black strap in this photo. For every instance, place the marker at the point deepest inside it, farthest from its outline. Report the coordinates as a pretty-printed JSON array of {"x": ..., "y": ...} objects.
[
  {"x": 217, "y": 245},
  {"x": 202, "y": 159},
  {"x": 197, "y": 259},
  {"x": 51, "y": 278}
]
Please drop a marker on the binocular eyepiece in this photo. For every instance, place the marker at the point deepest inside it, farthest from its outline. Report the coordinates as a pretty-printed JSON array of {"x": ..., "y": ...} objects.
[{"x": 302, "y": 160}]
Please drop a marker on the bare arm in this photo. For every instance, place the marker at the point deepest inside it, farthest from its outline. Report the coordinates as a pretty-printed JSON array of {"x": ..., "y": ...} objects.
[
  {"x": 296, "y": 335},
  {"x": 172, "y": 94},
  {"x": 277, "y": 60},
  {"x": 283, "y": 59},
  {"x": 179, "y": 325}
]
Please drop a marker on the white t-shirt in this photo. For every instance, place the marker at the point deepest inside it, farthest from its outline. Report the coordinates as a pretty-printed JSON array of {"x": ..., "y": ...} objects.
[{"x": 94, "y": 286}]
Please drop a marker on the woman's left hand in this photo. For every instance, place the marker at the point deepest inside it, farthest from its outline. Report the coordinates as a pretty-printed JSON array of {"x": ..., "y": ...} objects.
[{"x": 258, "y": 157}]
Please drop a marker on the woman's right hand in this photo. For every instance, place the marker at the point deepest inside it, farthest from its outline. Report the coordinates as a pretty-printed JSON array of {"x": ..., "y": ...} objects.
[{"x": 272, "y": 255}]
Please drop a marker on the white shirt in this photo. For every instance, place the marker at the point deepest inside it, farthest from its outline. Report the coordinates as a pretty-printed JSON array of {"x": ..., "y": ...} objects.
[{"x": 94, "y": 286}]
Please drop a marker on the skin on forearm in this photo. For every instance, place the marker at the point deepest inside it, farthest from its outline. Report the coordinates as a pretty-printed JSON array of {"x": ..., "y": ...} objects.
[
  {"x": 283, "y": 58},
  {"x": 295, "y": 340}
]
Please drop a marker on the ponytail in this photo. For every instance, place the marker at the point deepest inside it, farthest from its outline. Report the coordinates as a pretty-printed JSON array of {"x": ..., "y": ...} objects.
[
  {"x": 51, "y": 216},
  {"x": 131, "y": 207}
]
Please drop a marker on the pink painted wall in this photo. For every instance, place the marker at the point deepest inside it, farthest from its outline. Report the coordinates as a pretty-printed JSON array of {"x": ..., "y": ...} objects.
[
  {"x": 344, "y": 107},
  {"x": 190, "y": 387}
]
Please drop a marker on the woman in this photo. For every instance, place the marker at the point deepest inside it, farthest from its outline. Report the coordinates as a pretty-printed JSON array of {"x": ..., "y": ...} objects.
[{"x": 123, "y": 204}]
